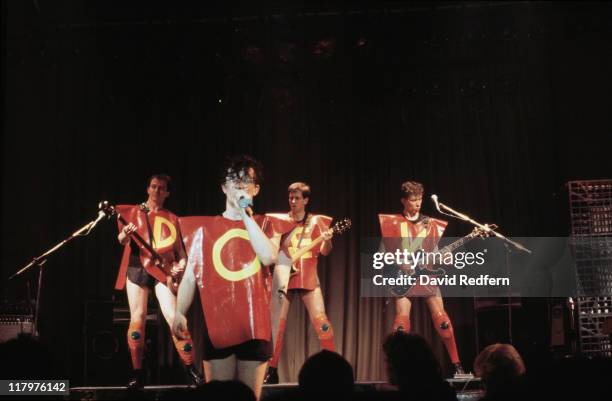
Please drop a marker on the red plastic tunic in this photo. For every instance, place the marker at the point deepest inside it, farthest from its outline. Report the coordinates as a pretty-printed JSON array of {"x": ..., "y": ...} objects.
[
  {"x": 166, "y": 238},
  {"x": 234, "y": 286},
  {"x": 306, "y": 276},
  {"x": 400, "y": 233}
]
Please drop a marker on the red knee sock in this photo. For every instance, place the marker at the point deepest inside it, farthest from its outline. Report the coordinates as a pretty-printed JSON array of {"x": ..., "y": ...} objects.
[
  {"x": 184, "y": 348},
  {"x": 135, "y": 339},
  {"x": 444, "y": 327},
  {"x": 325, "y": 332},
  {"x": 401, "y": 323}
]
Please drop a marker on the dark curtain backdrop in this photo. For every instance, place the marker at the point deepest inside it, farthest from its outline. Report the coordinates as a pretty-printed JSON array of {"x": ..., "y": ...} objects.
[{"x": 492, "y": 106}]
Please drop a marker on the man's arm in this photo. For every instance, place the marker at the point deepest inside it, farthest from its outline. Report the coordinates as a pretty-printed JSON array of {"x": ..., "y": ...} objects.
[
  {"x": 326, "y": 247},
  {"x": 264, "y": 248},
  {"x": 183, "y": 301}
]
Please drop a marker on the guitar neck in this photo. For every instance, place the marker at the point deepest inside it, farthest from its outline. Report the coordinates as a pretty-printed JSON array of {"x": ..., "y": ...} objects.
[
  {"x": 457, "y": 244},
  {"x": 140, "y": 240}
]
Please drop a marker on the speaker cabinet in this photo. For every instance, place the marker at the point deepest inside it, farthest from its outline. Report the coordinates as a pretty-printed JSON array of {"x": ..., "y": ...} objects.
[{"x": 107, "y": 358}]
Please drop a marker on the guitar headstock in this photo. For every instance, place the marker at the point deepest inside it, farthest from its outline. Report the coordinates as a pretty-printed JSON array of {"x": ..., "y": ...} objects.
[
  {"x": 341, "y": 226},
  {"x": 479, "y": 232},
  {"x": 107, "y": 208}
]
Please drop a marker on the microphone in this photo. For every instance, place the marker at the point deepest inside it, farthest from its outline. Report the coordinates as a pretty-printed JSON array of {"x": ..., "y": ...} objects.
[
  {"x": 245, "y": 202},
  {"x": 434, "y": 198},
  {"x": 90, "y": 226},
  {"x": 101, "y": 215}
]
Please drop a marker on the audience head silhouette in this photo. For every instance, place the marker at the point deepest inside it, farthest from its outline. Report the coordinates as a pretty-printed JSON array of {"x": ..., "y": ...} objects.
[
  {"x": 414, "y": 369},
  {"x": 326, "y": 373},
  {"x": 501, "y": 368}
]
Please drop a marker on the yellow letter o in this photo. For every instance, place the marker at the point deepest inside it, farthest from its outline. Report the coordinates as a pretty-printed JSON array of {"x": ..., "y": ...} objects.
[{"x": 223, "y": 271}]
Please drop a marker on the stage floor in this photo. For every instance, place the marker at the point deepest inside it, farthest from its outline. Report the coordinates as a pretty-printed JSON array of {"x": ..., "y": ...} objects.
[{"x": 467, "y": 390}]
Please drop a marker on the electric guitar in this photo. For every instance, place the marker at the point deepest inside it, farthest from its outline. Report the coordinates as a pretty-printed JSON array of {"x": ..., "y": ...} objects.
[
  {"x": 338, "y": 228},
  {"x": 423, "y": 269}
]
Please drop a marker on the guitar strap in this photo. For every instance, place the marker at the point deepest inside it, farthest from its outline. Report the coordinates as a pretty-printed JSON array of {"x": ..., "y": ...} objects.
[
  {"x": 422, "y": 219},
  {"x": 305, "y": 224},
  {"x": 426, "y": 223},
  {"x": 145, "y": 210}
]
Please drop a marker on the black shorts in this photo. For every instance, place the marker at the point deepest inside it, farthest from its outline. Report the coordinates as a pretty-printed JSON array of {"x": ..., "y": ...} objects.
[
  {"x": 139, "y": 276},
  {"x": 252, "y": 350}
]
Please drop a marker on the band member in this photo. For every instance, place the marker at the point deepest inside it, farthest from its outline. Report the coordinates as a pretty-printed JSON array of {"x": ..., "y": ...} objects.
[
  {"x": 228, "y": 255},
  {"x": 160, "y": 228},
  {"x": 418, "y": 231},
  {"x": 304, "y": 281}
]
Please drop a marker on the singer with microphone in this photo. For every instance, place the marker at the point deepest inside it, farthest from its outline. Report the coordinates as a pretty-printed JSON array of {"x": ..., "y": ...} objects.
[
  {"x": 230, "y": 257},
  {"x": 160, "y": 228},
  {"x": 413, "y": 230}
]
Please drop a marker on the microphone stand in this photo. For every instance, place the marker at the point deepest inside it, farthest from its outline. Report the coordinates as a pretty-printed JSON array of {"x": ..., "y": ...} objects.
[
  {"x": 42, "y": 259},
  {"x": 489, "y": 231},
  {"x": 483, "y": 227}
]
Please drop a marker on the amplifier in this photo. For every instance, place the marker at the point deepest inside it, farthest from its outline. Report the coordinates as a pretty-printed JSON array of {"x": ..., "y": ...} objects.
[{"x": 13, "y": 325}]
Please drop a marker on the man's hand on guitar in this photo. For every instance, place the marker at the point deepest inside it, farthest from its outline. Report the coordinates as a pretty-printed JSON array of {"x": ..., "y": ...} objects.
[
  {"x": 129, "y": 229},
  {"x": 125, "y": 233},
  {"x": 177, "y": 268},
  {"x": 327, "y": 235}
]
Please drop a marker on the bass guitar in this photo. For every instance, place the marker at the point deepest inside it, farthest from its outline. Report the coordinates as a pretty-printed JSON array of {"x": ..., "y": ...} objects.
[{"x": 423, "y": 269}]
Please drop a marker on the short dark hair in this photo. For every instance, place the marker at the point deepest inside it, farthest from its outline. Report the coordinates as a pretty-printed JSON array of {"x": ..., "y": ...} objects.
[
  {"x": 300, "y": 187},
  {"x": 161, "y": 177},
  {"x": 411, "y": 188},
  {"x": 238, "y": 166}
]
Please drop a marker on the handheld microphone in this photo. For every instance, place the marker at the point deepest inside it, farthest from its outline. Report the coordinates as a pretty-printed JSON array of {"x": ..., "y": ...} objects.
[
  {"x": 434, "y": 198},
  {"x": 245, "y": 202}
]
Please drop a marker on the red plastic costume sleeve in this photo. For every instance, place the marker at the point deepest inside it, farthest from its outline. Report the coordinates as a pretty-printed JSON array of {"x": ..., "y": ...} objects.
[{"x": 126, "y": 211}]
